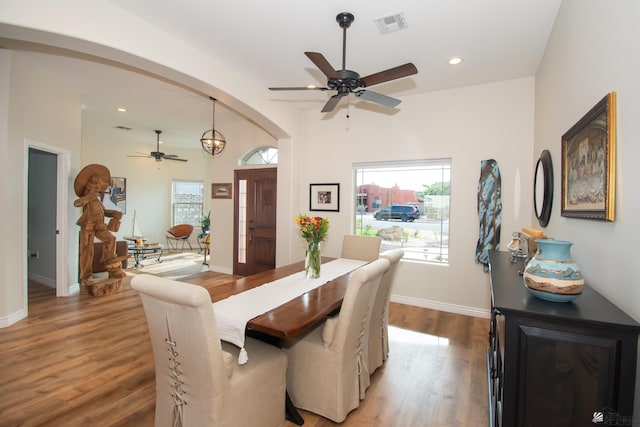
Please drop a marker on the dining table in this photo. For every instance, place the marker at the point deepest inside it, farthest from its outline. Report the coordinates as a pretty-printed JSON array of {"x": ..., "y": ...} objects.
[{"x": 293, "y": 317}]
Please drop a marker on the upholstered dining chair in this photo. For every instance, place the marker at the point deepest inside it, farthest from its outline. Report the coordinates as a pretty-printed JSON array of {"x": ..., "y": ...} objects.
[
  {"x": 379, "y": 325},
  {"x": 179, "y": 233},
  {"x": 364, "y": 248},
  {"x": 198, "y": 380},
  {"x": 327, "y": 366}
]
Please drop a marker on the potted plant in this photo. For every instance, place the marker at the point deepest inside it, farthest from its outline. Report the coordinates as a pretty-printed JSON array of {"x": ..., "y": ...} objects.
[{"x": 205, "y": 223}]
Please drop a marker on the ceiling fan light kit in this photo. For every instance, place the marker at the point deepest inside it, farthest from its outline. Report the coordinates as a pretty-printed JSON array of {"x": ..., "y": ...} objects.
[
  {"x": 213, "y": 141},
  {"x": 345, "y": 81}
]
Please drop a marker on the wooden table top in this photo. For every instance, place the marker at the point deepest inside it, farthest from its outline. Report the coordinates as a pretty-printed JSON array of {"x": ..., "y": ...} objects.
[{"x": 295, "y": 316}]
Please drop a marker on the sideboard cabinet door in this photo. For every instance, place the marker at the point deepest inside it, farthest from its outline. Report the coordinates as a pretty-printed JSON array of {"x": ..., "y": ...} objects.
[{"x": 568, "y": 376}]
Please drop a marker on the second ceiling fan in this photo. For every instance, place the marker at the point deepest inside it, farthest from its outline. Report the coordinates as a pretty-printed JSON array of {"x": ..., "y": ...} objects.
[
  {"x": 159, "y": 155},
  {"x": 347, "y": 81}
]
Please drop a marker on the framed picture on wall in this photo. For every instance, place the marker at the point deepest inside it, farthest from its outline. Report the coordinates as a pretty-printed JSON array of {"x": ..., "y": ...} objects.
[
  {"x": 221, "y": 191},
  {"x": 324, "y": 197},
  {"x": 589, "y": 163},
  {"x": 116, "y": 198}
]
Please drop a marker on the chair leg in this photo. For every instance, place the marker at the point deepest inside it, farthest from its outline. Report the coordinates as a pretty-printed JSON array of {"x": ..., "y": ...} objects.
[{"x": 172, "y": 246}]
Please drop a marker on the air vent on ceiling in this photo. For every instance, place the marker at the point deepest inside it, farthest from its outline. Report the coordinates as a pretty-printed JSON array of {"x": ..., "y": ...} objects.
[
  {"x": 122, "y": 127},
  {"x": 391, "y": 23}
]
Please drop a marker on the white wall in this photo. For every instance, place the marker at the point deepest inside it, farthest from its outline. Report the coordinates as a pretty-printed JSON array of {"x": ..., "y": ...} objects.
[
  {"x": 593, "y": 51},
  {"x": 38, "y": 110},
  {"x": 467, "y": 125},
  {"x": 10, "y": 306}
]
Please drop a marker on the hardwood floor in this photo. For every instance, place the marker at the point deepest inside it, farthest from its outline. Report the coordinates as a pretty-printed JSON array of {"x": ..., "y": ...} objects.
[{"x": 86, "y": 360}]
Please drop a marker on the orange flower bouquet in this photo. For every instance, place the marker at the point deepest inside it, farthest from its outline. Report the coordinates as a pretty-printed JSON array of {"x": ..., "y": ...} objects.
[{"x": 314, "y": 230}]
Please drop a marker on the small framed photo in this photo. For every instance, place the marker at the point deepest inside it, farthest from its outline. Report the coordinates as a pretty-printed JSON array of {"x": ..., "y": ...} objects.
[
  {"x": 221, "y": 191},
  {"x": 324, "y": 197},
  {"x": 589, "y": 163},
  {"x": 116, "y": 197}
]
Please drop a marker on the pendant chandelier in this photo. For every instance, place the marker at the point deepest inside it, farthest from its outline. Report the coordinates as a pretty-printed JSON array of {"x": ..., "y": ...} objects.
[{"x": 212, "y": 141}]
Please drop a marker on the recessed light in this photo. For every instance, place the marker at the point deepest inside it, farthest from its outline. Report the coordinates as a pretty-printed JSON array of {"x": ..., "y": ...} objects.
[
  {"x": 455, "y": 60},
  {"x": 121, "y": 109}
]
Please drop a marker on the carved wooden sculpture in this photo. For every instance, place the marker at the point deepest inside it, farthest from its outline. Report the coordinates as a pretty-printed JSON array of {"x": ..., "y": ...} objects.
[{"x": 91, "y": 182}]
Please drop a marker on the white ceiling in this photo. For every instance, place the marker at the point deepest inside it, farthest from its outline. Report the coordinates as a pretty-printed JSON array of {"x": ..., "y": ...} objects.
[{"x": 498, "y": 39}]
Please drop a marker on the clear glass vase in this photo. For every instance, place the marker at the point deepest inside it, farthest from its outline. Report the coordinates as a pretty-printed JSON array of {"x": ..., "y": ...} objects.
[{"x": 312, "y": 260}]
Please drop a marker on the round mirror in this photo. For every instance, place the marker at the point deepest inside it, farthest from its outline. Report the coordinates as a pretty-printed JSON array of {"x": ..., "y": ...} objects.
[{"x": 543, "y": 188}]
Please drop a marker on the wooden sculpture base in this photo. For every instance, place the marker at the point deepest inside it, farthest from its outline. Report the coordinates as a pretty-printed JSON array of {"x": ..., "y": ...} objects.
[{"x": 101, "y": 288}]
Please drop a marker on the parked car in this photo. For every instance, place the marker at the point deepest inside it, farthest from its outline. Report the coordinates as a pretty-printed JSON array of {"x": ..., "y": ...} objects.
[{"x": 402, "y": 212}]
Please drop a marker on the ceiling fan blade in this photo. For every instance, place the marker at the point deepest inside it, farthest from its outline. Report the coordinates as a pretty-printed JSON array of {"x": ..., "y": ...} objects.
[
  {"x": 139, "y": 155},
  {"x": 390, "y": 74},
  {"x": 321, "y": 62},
  {"x": 378, "y": 98},
  {"x": 299, "y": 88},
  {"x": 175, "y": 158},
  {"x": 331, "y": 104}
]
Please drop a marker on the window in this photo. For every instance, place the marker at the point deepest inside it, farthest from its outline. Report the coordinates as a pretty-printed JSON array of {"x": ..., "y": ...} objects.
[
  {"x": 262, "y": 156},
  {"x": 187, "y": 202},
  {"x": 407, "y": 205}
]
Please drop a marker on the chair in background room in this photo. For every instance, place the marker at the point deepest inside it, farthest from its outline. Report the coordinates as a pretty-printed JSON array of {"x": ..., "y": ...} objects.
[
  {"x": 179, "y": 233},
  {"x": 379, "y": 325},
  {"x": 198, "y": 380},
  {"x": 327, "y": 371},
  {"x": 364, "y": 248}
]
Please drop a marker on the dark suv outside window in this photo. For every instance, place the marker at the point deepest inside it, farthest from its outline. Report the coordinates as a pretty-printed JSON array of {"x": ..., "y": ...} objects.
[{"x": 402, "y": 212}]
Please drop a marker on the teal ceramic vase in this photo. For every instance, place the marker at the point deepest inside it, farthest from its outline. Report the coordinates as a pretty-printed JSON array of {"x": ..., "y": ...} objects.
[{"x": 551, "y": 274}]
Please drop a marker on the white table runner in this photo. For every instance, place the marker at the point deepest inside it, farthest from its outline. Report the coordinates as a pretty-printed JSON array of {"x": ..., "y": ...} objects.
[{"x": 233, "y": 313}]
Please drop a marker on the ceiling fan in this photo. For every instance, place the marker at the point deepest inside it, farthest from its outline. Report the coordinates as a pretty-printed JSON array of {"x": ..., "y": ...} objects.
[
  {"x": 347, "y": 81},
  {"x": 159, "y": 155}
]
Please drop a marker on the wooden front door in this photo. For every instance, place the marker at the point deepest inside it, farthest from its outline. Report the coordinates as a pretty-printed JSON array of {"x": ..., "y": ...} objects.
[{"x": 255, "y": 192}]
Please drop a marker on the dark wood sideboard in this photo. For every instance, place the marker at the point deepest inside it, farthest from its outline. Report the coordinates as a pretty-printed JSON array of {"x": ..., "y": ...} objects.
[{"x": 556, "y": 364}]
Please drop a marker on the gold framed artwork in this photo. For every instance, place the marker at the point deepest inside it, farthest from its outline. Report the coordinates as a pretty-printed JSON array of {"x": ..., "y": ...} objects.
[
  {"x": 221, "y": 190},
  {"x": 589, "y": 163}
]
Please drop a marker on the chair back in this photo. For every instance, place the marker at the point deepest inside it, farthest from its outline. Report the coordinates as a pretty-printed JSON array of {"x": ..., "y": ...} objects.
[
  {"x": 351, "y": 328},
  {"x": 181, "y": 231},
  {"x": 378, "y": 339},
  {"x": 189, "y": 362},
  {"x": 364, "y": 248}
]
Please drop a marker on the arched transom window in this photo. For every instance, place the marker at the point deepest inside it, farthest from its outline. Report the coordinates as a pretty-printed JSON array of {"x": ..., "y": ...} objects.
[{"x": 262, "y": 156}]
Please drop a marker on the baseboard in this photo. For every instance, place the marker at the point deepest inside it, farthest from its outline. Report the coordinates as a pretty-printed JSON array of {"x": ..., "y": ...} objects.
[
  {"x": 442, "y": 306},
  {"x": 47, "y": 281},
  {"x": 74, "y": 289},
  {"x": 12, "y": 318},
  {"x": 220, "y": 269}
]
